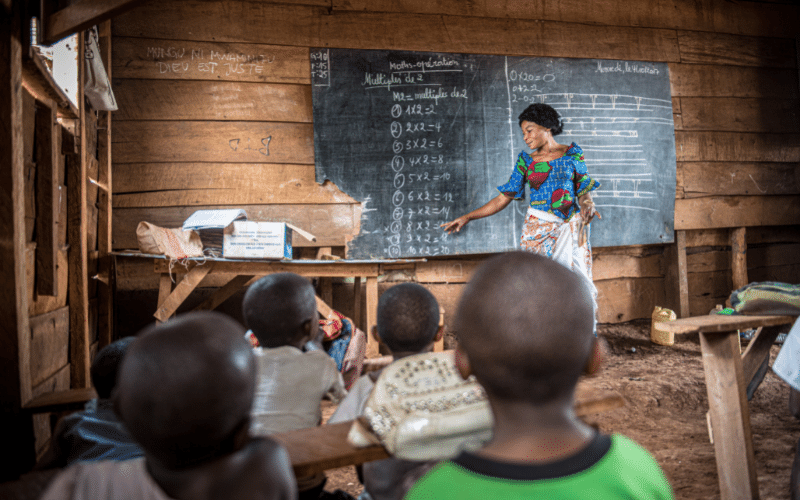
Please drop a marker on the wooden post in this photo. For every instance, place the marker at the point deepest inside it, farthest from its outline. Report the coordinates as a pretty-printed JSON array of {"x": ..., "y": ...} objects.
[
  {"x": 15, "y": 373},
  {"x": 730, "y": 415},
  {"x": 683, "y": 275},
  {"x": 48, "y": 149},
  {"x": 78, "y": 252},
  {"x": 738, "y": 257},
  {"x": 372, "y": 316},
  {"x": 357, "y": 313},
  {"x": 105, "y": 299}
]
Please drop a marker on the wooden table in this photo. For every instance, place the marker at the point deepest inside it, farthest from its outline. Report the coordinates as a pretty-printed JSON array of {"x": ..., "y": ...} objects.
[
  {"x": 242, "y": 272},
  {"x": 727, "y": 375},
  {"x": 325, "y": 447}
]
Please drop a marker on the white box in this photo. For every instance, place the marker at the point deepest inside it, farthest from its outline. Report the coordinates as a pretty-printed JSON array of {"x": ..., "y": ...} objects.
[{"x": 257, "y": 240}]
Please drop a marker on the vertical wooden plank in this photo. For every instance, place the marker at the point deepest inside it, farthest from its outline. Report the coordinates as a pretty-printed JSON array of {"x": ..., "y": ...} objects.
[
  {"x": 78, "y": 252},
  {"x": 105, "y": 298},
  {"x": 357, "y": 313},
  {"x": 683, "y": 275},
  {"x": 48, "y": 150},
  {"x": 15, "y": 389},
  {"x": 164, "y": 288},
  {"x": 325, "y": 285},
  {"x": 738, "y": 257},
  {"x": 372, "y": 316},
  {"x": 730, "y": 415}
]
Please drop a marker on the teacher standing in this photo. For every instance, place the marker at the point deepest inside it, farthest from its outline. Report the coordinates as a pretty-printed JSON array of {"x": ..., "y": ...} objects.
[{"x": 561, "y": 205}]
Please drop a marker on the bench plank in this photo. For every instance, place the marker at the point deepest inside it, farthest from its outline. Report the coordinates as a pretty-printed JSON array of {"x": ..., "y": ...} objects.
[
  {"x": 717, "y": 323},
  {"x": 325, "y": 447}
]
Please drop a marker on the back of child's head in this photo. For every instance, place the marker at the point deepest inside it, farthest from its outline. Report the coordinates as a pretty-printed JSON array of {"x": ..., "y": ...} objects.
[
  {"x": 278, "y": 307},
  {"x": 525, "y": 324},
  {"x": 408, "y": 318},
  {"x": 186, "y": 387},
  {"x": 106, "y": 365}
]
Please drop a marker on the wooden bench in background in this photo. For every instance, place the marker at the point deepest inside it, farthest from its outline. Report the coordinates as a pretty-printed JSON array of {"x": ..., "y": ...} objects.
[{"x": 728, "y": 373}]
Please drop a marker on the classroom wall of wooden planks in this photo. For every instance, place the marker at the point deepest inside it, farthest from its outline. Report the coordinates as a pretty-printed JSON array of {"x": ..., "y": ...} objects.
[{"x": 202, "y": 85}]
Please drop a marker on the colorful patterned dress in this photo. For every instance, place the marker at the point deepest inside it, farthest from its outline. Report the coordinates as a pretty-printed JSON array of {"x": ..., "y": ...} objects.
[{"x": 553, "y": 222}]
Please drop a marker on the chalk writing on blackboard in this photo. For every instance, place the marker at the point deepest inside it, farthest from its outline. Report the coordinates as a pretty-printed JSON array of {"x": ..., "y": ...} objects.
[{"x": 425, "y": 137}]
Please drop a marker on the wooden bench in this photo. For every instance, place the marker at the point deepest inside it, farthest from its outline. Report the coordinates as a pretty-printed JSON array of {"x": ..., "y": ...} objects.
[
  {"x": 325, "y": 447},
  {"x": 728, "y": 373}
]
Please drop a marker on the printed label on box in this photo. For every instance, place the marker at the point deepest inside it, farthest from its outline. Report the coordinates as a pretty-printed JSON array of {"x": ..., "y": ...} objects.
[{"x": 257, "y": 240}]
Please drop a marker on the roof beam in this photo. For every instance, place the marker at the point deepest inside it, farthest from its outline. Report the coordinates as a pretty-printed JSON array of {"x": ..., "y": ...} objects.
[{"x": 81, "y": 15}]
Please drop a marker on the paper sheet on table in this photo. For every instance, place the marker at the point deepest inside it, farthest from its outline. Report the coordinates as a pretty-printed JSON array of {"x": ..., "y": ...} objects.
[
  {"x": 787, "y": 364},
  {"x": 213, "y": 219}
]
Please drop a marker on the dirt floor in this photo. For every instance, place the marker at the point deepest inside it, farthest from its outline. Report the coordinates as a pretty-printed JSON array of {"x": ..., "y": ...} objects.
[{"x": 665, "y": 412}]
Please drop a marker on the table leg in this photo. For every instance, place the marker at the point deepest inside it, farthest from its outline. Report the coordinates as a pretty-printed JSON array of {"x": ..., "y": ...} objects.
[
  {"x": 193, "y": 278},
  {"x": 372, "y": 316},
  {"x": 357, "y": 304},
  {"x": 730, "y": 415},
  {"x": 164, "y": 289}
]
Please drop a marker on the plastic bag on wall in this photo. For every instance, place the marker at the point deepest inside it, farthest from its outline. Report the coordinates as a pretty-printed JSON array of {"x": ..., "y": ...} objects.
[{"x": 97, "y": 88}]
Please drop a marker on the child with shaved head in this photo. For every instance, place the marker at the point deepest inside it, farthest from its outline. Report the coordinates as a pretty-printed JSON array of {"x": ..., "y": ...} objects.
[
  {"x": 184, "y": 391},
  {"x": 524, "y": 325},
  {"x": 408, "y": 323},
  {"x": 281, "y": 311}
]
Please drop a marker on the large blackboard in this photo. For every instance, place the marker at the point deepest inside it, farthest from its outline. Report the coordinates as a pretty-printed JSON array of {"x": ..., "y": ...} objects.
[{"x": 420, "y": 138}]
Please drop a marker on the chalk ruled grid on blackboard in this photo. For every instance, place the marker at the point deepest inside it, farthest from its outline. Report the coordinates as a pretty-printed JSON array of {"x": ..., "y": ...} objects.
[{"x": 420, "y": 138}]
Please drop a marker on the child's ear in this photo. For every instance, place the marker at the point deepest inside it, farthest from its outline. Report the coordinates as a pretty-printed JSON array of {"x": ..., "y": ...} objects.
[
  {"x": 598, "y": 356},
  {"x": 310, "y": 329},
  {"x": 462, "y": 363},
  {"x": 374, "y": 333}
]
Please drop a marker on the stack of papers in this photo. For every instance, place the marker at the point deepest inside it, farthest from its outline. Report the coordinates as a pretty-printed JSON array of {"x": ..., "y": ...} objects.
[{"x": 209, "y": 224}]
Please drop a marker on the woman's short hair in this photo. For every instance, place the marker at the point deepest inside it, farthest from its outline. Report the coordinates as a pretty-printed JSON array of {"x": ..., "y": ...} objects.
[{"x": 544, "y": 115}]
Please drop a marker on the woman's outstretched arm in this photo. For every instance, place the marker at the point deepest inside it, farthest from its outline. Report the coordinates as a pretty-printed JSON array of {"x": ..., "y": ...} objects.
[{"x": 495, "y": 205}]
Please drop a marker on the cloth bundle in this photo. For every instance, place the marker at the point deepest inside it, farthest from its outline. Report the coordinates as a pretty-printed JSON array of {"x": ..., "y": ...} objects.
[
  {"x": 767, "y": 297},
  {"x": 421, "y": 409}
]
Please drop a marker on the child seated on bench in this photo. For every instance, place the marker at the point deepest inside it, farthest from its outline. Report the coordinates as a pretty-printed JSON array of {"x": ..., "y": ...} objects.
[
  {"x": 184, "y": 391},
  {"x": 281, "y": 311},
  {"x": 408, "y": 323},
  {"x": 95, "y": 433},
  {"x": 524, "y": 325}
]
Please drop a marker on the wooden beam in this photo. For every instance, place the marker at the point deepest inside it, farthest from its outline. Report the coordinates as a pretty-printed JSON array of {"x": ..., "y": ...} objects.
[
  {"x": 224, "y": 141},
  {"x": 49, "y": 344},
  {"x": 736, "y": 211},
  {"x": 720, "y": 323},
  {"x": 78, "y": 252},
  {"x": 48, "y": 147},
  {"x": 104, "y": 219},
  {"x": 81, "y": 15},
  {"x": 151, "y": 59},
  {"x": 738, "y": 257},
  {"x": 757, "y": 350},
  {"x": 204, "y": 100},
  {"x": 372, "y": 316},
  {"x": 14, "y": 328}
]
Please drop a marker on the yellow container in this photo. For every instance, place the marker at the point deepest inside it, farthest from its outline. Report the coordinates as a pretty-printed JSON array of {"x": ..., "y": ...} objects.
[{"x": 658, "y": 336}]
